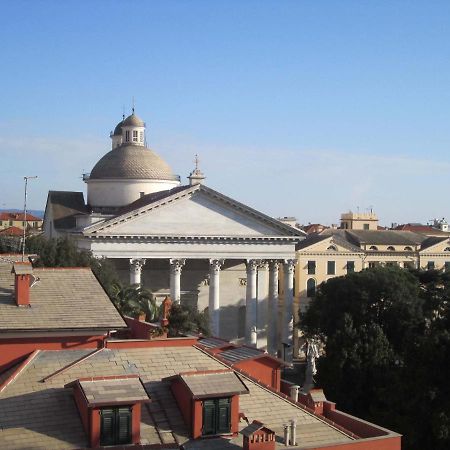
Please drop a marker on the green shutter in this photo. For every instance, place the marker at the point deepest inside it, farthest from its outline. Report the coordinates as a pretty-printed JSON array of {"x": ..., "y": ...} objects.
[
  {"x": 123, "y": 426},
  {"x": 115, "y": 426},
  {"x": 209, "y": 419},
  {"x": 223, "y": 415},
  {"x": 107, "y": 427}
]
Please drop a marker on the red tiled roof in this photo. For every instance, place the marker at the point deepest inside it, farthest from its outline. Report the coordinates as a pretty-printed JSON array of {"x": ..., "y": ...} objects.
[
  {"x": 12, "y": 231},
  {"x": 18, "y": 216}
]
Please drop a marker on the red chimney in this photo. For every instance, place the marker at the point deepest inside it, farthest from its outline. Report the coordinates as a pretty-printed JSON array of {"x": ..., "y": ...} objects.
[{"x": 23, "y": 272}]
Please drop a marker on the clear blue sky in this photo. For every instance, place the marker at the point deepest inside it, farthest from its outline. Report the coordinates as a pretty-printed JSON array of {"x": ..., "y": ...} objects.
[{"x": 304, "y": 108}]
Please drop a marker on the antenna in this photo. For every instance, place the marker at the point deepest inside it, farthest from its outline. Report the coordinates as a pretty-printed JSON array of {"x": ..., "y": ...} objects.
[
  {"x": 25, "y": 216},
  {"x": 133, "y": 104},
  {"x": 196, "y": 160},
  {"x": 123, "y": 112}
]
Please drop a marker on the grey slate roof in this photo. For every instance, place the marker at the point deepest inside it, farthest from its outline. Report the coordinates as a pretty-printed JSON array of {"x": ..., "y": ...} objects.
[
  {"x": 134, "y": 121},
  {"x": 24, "y": 423},
  {"x": 204, "y": 385},
  {"x": 384, "y": 237},
  {"x": 64, "y": 206},
  {"x": 130, "y": 161},
  {"x": 117, "y": 390},
  {"x": 430, "y": 241},
  {"x": 64, "y": 298},
  {"x": 235, "y": 355},
  {"x": 212, "y": 342},
  {"x": 118, "y": 129}
]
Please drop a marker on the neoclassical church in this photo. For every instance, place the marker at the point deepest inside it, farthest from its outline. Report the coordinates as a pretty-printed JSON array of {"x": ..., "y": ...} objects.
[{"x": 184, "y": 240}]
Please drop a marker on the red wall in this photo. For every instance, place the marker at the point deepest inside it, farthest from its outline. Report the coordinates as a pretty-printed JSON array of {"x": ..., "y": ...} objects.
[
  {"x": 183, "y": 398},
  {"x": 172, "y": 342},
  {"x": 263, "y": 369},
  {"x": 14, "y": 350},
  {"x": 139, "y": 329},
  {"x": 82, "y": 408}
]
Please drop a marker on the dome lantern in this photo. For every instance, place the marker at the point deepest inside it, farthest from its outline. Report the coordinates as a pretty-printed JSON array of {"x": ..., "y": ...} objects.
[{"x": 133, "y": 130}]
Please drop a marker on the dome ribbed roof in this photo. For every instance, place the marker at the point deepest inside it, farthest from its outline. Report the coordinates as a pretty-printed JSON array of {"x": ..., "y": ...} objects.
[
  {"x": 118, "y": 129},
  {"x": 132, "y": 162},
  {"x": 133, "y": 121}
]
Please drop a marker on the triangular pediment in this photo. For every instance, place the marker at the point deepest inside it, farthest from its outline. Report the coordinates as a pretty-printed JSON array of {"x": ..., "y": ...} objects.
[
  {"x": 329, "y": 244},
  {"x": 440, "y": 246},
  {"x": 194, "y": 211}
]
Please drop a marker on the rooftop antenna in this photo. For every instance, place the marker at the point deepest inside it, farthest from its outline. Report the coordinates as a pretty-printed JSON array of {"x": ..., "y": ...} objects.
[
  {"x": 123, "y": 112},
  {"x": 133, "y": 104},
  {"x": 196, "y": 160},
  {"x": 25, "y": 216}
]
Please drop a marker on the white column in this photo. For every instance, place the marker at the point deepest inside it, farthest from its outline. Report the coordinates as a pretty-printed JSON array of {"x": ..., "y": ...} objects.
[
  {"x": 214, "y": 295},
  {"x": 136, "y": 271},
  {"x": 288, "y": 316},
  {"x": 262, "y": 292},
  {"x": 250, "y": 303},
  {"x": 273, "y": 307},
  {"x": 175, "y": 277}
]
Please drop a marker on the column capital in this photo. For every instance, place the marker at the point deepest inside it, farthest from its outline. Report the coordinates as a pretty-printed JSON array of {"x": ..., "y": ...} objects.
[
  {"x": 263, "y": 264},
  {"x": 274, "y": 265},
  {"x": 289, "y": 264},
  {"x": 177, "y": 264},
  {"x": 252, "y": 264},
  {"x": 137, "y": 263},
  {"x": 216, "y": 264}
]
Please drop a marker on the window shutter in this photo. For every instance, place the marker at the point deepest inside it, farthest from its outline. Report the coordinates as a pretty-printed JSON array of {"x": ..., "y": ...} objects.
[
  {"x": 209, "y": 410},
  {"x": 123, "y": 425},
  {"x": 107, "y": 427},
  {"x": 223, "y": 415}
]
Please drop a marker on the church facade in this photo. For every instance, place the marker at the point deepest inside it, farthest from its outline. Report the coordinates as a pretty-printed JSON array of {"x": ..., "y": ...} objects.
[{"x": 187, "y": 241}]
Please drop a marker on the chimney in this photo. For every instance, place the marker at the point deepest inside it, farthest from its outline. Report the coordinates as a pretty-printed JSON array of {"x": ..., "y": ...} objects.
[
  {"x": 23, "y": 272},
  {"x": 294, "y": 392},
  {"x": 293, "y": 432},
  {"x": 287, "y": 432}
]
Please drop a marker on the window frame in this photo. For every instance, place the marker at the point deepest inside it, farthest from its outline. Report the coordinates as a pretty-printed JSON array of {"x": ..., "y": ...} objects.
[
  {"x": 350, "y": 269},
  {"x": 311, "y": 267},
  {"x": 329, "y": 265},
  {"x": 116, "y": 414},
  {"x": 216, "y": 406}
]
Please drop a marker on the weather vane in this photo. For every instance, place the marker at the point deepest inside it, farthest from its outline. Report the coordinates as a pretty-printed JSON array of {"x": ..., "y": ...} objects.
[{"x": 196, "y": 160}]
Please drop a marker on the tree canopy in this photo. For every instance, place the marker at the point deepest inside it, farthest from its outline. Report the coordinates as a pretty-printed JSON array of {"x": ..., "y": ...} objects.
[{"x": 386, "y": 339}]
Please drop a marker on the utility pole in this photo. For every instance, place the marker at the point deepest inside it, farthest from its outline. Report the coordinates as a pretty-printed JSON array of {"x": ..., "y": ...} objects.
[{"x": 25, "y": 216}]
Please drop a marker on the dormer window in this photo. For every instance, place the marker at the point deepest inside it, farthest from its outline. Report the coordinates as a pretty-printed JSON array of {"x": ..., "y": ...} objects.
[
  {"x": 135, "y": 135},
  {"x": 127, "y": 136},
  {"x": 115, "y": 426}
]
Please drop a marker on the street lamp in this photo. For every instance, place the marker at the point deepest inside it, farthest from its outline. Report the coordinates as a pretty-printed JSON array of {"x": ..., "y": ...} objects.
[{"x": 25, "y": 215}]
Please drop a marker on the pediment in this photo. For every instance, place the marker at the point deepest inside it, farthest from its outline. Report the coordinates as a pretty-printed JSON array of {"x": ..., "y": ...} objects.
[
  {"x": 440, "y": 247},
  {"x": 194, "y": 212},
  {"x": 331, "y": 244}
]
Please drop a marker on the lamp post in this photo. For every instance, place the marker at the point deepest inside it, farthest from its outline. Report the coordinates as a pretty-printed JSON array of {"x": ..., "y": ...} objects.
[{"x": 25, "y": 215}]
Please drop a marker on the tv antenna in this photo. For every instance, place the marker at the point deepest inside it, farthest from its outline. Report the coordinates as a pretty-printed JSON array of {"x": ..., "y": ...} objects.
[{"x": 25, "y": 215}]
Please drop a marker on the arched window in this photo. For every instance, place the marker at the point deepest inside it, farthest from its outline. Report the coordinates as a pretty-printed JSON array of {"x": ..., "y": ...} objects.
[
  {"x": 447, "y": 249},
  {"x": 391, "y": 249},
  {"x": 332, "y": 248},
  {"x": 311, "y": 287},
  {"x": 373, "y": 247},
  {"x": 408, "y": 249}
]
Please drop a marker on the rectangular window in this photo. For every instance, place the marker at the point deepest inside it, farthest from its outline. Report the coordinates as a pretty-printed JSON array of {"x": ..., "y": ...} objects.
[
  {"x": 366, "y": 226},
  {"x": 115, "y": 426},
  {"x": 331, "y": 268},
  {"x": 311, "y": 267},
  {"x": 141, "y": 136},
  {"x": 135, "y": 135},
  {"x": 216, "y": 416},
  {"x": 373, "y": 264},
  {"x": 127, "y": 136},
  {"x": 430, "y": 265},
  {"x": 350, "y": 266},
  {"x": 10, "y": 223},
  {"x": 447, "y": 266}
]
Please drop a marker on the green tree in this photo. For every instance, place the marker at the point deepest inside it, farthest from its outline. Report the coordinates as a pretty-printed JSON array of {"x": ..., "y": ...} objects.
[
  {"x": 184, "y": 319},
  {"x": 133, "y": 300},
  {"x": 386, "y": 339}
]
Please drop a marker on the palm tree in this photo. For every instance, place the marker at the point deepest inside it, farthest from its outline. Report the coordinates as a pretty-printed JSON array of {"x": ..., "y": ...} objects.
[{"x": 134, "y": 300}]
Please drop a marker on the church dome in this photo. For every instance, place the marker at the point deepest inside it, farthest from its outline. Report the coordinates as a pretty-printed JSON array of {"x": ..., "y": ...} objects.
[
  {"x": 118, "y": 129},
  {"x": 133, "y": 121},
  {"x": 132, "y": 162}
]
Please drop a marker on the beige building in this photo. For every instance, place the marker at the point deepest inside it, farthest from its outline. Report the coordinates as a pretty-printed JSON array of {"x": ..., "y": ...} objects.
[
  {"x": 16, "y": 219},
  {"x": 359, "y": 221}
]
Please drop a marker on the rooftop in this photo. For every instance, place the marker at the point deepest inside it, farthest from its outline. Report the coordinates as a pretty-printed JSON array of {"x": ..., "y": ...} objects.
[
  {"x": 62, "y": 298},
  {"x": 161, "y": 420}
]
